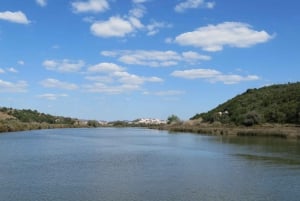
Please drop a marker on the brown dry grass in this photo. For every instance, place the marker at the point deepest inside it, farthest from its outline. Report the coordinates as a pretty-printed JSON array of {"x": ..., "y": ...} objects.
[
  {"x": 266, "y": 130},
  {"x": 4, "y": 116}
]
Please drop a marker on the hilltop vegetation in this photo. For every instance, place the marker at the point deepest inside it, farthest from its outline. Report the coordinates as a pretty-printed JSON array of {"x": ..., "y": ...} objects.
[
  {"x": 272, "y": 104},
  {"x": 17, "y": 120}
]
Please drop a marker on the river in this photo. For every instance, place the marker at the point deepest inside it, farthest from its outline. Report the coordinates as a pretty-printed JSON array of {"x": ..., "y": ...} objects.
[{"x": 126, "y": 164}]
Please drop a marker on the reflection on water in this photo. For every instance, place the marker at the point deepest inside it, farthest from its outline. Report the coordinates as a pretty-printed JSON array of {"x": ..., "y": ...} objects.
[
  {"x": 270, "y": 159},
  {"x": 141, "y": 164},
  {"x": 270, "y": 150}
]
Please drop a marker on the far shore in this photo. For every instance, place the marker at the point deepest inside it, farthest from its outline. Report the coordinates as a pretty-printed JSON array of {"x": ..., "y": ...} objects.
[{"x": 288, "y": 131}]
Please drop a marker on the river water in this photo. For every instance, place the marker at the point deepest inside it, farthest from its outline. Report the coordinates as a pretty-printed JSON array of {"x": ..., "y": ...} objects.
[{"x": 112, "y": 164}]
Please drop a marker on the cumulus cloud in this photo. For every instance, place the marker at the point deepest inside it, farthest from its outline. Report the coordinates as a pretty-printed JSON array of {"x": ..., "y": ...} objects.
[
  {"x": 114, "y": 27},
  {"x": 105, "y": 67},
  {"x": 192, "y": 4},
  {"x": 50, "y": 96},
  {"x": 213, "y": 76},
  {"x": 117, "y": 26},
  {"x": 129, "y": 79},
  {"x": 64, "y": 65},
  {"x": 54, "y": 83},
  {"x": 15, "y": 17},
  {"x": 41, "y": 3},
  {"x": 2, "y": 71},
  {"x": 121, "y": 26},
  {"x": 11, "y": 87},
  {"x": 155, "y": 58},
  {"x": 191, "y": 56},
  {"x": 215, "y": 37},
  {"x": 94, "y": 6},
  {"x": 114, "y": 79}
]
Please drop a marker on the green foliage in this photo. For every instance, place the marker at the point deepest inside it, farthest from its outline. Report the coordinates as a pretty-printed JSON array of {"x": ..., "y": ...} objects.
[
  {"x": 29, "y": 116},
  {"x": 119, "y": 123},
  {"x": 173, "y": 119},
  {"x": 272, "y": 104},
  {"x": 93, "y": 123}
]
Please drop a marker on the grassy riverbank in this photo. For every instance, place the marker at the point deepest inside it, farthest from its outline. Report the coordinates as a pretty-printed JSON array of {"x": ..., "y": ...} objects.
[
  {"x": 12, "y": 120},
  {"x": 15, "y": 125},
  {"x": 289, "y": 131}
]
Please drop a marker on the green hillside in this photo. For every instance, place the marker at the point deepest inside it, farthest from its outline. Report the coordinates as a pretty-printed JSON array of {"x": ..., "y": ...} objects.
[
  {"x": 272, "y": 104},
  {"x": 17, "y": 120}
]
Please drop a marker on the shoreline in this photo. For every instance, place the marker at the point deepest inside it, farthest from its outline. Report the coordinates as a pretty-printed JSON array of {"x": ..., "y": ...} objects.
[
  {"x": 16, "y": 126},
  {"x": 288, "y": 131},
  {"x": 267, "y": 130}
]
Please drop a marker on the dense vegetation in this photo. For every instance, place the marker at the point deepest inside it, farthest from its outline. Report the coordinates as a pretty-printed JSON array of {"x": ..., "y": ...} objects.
[
  {"x": 271, "y": 104},
  {"x": 16, "y": 120}
]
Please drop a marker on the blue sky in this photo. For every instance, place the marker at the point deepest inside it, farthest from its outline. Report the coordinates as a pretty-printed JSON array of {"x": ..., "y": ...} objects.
[{"x": 126, "y": 59}]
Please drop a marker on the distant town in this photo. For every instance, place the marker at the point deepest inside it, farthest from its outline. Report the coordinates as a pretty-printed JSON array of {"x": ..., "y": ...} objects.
[{"x": 139, "y": 121}]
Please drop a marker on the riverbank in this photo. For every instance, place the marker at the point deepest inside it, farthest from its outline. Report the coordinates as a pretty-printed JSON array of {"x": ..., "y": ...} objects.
[
  {"x": 15, "y": 125},
  {"x": 266, "y": 130},
  {"x": 288, "y": 131}
]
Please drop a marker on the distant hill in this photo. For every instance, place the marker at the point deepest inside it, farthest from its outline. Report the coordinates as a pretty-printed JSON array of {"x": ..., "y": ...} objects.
[
  {"x": 272, "y": 104},
  {"x": 26, "y": 119},
  {"x": 29, "y": 116}
]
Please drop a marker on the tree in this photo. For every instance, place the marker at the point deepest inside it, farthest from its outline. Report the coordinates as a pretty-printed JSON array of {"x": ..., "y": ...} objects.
[
  {"x": 93, "y": 123},
  {"x": 251, "y": 118},
  {"x": 173, "y": 119}
]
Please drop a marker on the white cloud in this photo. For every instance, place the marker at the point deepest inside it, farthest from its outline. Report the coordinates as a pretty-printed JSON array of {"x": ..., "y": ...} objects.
[
  {"x": 105, "y": 67},
  {"x": 191, "y": 56},
  {"x": 41, "y": 3},
  {"x": 50, "y": 96},
  {"x": 2, "y": 71},
  {"x": 117, "y": 26},
  {"x": 12, "y": 70},
  {"x": 121, "y": 26},
  {"x": 150, "y": 58},
  {"x": 114, "y": 79},
  {"x": 129, "y": 79},
  {"x": 10, "y": 87},
  {"x": 94, "y": 6},
  {"x": 16, "y": 17},
  {"x": 64, "y": 65},
  {"x": 233, "y": 79},
  {"x": 155, "y": 58},
  {"x": 54, "y": 83},
  {"x": 213, "y": 76},
  {"x": 196, "y": 73},
  {"x": 112, "y": 89},
  {"x": 101, "y": 79},
  {"x": 192, "y": 4},
  {"x": 114, "y": 27},
  {"x": 215, "y": 37},
  {"x": 168, "y": 93}
]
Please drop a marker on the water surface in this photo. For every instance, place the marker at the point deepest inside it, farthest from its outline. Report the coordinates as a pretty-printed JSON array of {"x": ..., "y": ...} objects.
[{"x": 149, "y": 165}]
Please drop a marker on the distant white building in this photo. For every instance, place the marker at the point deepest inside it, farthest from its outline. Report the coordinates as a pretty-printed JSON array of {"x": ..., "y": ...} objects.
[{"x": 149, "y": 121}]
